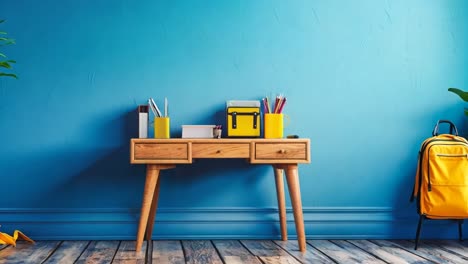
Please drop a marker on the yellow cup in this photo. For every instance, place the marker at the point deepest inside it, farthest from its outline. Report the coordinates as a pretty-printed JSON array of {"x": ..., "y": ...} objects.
[
  {"x": 273, "y": 125},
  {"x": 162, "y": 127}
]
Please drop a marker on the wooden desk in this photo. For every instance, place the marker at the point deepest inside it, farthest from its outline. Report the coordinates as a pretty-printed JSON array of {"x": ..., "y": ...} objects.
[{"x": 162, "y": 154}]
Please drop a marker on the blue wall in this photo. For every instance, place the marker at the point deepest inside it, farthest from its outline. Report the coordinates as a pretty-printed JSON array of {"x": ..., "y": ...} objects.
[{"x": 365, "y": 80}]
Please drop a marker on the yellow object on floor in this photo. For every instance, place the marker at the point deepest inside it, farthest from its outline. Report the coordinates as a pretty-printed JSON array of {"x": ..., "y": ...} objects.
[{"x": 11, "y": 240}]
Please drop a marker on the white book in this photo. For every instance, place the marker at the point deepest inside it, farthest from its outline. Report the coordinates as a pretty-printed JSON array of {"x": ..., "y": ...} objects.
[
  {"x": 197, "y": 131},
  {"x": 143, "y": 118}
]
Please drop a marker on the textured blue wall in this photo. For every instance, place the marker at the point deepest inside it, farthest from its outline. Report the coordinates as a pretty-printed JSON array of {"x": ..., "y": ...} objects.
[{"x": 365, "y": 80}]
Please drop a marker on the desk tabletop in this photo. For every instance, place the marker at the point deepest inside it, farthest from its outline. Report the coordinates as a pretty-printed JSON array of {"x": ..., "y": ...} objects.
[{"x": 219, "y": 140}]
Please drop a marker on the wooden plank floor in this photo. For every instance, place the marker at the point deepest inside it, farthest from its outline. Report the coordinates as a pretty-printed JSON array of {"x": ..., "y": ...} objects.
[{"x": 237, "y": 251}]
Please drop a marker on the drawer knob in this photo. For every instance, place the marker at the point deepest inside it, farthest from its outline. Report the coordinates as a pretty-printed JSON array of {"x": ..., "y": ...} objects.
[
  {"x": 282, "y": 151},
  {"x": 218, "y": 151}
]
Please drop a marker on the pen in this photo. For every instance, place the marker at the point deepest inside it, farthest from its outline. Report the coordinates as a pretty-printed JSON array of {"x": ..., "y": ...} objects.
[
  {"x": 276, "y": 106},
  {"x": 156, "y": 107},
  {"x": 283, "y": 102},
  {"x": 150, "y": 104},
  {"x": 265, "y": 108},
  {"x": 267, "y": 105}
]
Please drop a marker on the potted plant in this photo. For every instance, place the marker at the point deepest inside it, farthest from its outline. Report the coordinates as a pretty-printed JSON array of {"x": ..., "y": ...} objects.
[
  {"x": 5, "y": 64},
  {"x": 463, "y": 95}
]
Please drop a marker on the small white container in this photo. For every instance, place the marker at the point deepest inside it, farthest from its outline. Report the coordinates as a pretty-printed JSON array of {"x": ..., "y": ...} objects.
[{"x": 197, "y": 131}]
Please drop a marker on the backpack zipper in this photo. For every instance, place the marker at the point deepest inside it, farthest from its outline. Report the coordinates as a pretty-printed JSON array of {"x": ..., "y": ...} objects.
[{"x": 452, "y": 155}]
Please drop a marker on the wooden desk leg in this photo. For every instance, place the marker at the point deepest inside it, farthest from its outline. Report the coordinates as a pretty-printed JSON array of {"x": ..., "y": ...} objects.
[
  {"x": 294, "y": 191},
  {"x": 152, "y": 213},
  {"x": 152, "y": 175},
  {"x": 281, "y": 202}
]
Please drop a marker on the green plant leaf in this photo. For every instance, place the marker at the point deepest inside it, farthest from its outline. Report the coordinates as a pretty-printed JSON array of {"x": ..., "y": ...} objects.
[
  {"x": 466, "y": 111},
  {"x": 5, "y": 64},
  {"x": 7, "y": 41},
  {"x": 8, "y": 75},
  {"x": 463, "y": 95}
]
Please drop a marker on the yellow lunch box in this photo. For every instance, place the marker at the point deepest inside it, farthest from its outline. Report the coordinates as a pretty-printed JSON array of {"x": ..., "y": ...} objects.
[{"x": 243, "y": 118}]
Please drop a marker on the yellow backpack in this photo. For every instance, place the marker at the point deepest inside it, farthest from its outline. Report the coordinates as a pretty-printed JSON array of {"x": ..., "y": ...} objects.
[{"x": 441, "y": 182}]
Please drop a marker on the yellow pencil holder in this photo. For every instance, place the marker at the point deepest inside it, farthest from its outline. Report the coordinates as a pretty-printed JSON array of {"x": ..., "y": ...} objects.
[
  {"x": 273, "y": 125},
  {"x": 162, "y": 127}
]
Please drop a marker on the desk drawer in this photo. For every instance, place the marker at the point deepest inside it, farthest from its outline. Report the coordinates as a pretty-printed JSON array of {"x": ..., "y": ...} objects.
[
  {"x": 164, "y": 152},
  {"x": 216, "y": 150},
  {"x": 293, "y": 152}
]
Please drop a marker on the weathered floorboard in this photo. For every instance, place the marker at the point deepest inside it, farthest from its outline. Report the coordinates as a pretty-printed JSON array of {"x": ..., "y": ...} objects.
[
  {"x": 365, "y": 257},
  {"x": 460, "y": 248},
  {"x": 167, "y": 252},
  {"x": 200, "y": 252},
  {"x": 99, "y": 252},
  {"x": 430, "y": 252},
  {"x": 269, "y": 252},
  {"x": 127, "y": 254},
  {"x": 68, "y": 252},
  {"x": 343, "y": 252},
  {"x": 279, "y": 260},
  {"x": 232, "y": 252},
  {"x": 312, "y": 255},
  {"x": 25, "y": 252},
  {"x": 236, "y": 252},
  {"x": 388, "y": 252}
]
